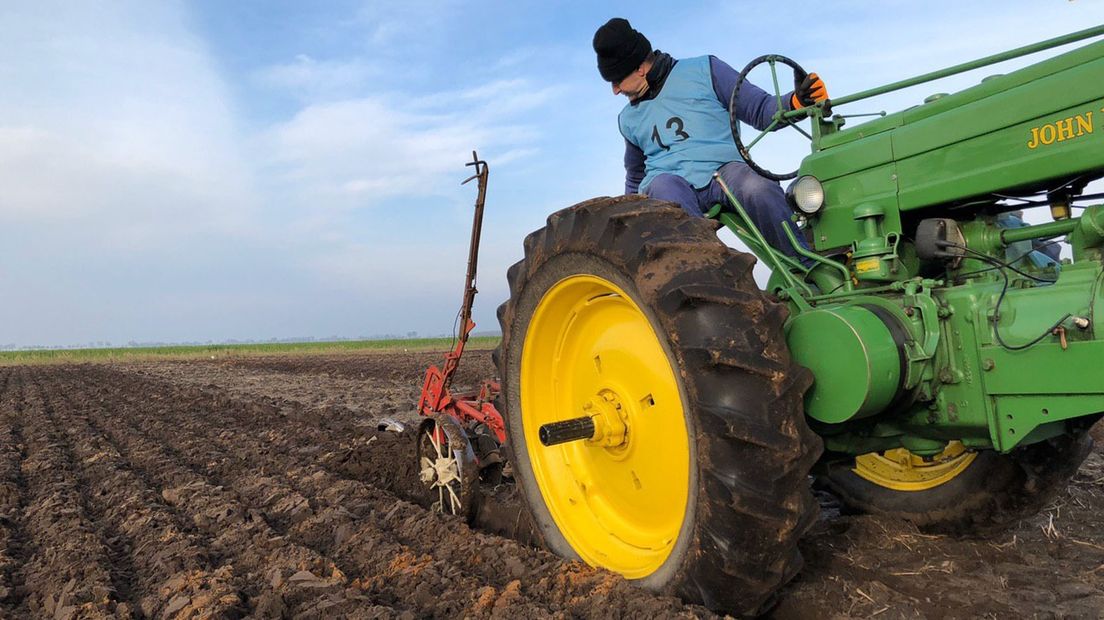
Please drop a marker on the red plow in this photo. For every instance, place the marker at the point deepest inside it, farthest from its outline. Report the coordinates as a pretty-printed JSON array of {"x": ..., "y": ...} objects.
[{"x": 460, "y": 441}]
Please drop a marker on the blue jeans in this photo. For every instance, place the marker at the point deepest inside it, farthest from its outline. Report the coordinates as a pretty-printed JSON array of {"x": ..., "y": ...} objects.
[{"x": 763, "y": 199}]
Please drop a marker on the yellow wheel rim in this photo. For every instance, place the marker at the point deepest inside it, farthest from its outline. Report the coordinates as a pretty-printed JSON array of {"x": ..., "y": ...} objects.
[
  {"x": 902, "y": 470},
  {"x": 619, "y": 501}
]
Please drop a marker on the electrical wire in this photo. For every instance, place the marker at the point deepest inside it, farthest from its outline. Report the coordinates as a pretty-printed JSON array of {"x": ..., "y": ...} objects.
[
  {"x": 1023, "y": 201},
  {"x": 1083, "y": 198},
  {"x": 998, "y": 264},
  {"x": 996, "y": 323},
  {"x": 1065, "y": 184},
  {"x": 1000, "y": 299},
  {"x": 1014, "y": 261}
]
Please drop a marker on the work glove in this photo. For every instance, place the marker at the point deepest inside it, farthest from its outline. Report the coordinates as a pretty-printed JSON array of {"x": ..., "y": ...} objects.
[{"x": 808, "y": 89}]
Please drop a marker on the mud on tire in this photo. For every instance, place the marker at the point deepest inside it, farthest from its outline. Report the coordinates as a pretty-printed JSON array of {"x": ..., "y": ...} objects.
[{"x": 750, "y": 449}]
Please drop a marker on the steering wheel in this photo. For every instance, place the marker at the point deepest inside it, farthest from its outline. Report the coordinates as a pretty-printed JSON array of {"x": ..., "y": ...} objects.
[{"x": 776, "y": 122}]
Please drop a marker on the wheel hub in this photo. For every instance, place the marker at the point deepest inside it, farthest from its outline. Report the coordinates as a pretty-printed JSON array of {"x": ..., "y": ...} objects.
[{"x": 611, "y": 420}]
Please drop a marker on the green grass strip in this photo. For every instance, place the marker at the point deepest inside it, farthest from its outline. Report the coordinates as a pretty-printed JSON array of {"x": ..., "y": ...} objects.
[{"x": 62, "y": 356}]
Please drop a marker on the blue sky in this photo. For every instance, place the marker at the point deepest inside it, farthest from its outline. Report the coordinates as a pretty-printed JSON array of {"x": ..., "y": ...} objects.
[{"x": 211, "y": 170}]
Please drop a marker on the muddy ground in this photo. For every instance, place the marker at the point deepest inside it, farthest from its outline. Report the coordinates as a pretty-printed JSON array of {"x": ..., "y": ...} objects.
[{"x": 253, "y": 487}]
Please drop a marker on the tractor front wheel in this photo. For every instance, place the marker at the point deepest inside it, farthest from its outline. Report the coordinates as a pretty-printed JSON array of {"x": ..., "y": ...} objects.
[
  {"x": 694, "y": 480},
  {"x": 958, "y": 491}
]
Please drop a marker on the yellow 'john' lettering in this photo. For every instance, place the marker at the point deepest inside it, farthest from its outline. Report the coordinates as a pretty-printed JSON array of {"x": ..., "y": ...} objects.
[{"x": 1061, "y": 130}]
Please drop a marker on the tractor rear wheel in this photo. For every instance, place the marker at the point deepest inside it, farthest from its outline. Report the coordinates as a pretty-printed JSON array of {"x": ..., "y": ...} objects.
[
  {"x": 959, "y": 491},
  {"x": 630, "y": 312}
]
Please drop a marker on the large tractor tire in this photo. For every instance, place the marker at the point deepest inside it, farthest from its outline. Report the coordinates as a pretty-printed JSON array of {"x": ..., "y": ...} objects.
[
  {"x": 959, "y": 491},
  {"x": 633, "y": 313}
]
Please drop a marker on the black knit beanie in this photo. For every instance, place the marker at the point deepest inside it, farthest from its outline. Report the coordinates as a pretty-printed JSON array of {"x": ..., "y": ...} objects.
[{"x": 620, "y": 49}]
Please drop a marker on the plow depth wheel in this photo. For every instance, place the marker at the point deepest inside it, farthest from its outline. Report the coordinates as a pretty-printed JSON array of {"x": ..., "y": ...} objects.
[
  {"x": 679, "y": 454},
  {"x": 621, "y": 501},
  {"x": 447, "y": 466}
]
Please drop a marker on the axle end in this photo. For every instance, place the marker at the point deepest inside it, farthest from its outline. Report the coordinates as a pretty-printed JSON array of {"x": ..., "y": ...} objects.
[{"x": 567, "y": 430}]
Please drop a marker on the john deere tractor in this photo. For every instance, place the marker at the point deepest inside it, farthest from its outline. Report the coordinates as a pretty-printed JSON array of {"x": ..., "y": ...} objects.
[{"x": 665, "y": 414}]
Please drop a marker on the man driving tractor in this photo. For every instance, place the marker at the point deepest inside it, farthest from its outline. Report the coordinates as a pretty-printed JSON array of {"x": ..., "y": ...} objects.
[{"x": 677, "y": 132}]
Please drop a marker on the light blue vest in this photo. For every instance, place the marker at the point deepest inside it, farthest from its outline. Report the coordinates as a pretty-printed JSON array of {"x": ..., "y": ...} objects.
[{"x": 685, "y": 129}]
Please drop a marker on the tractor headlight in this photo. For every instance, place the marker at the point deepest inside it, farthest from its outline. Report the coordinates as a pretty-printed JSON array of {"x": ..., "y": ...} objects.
[{"x": 806, "y": 194}]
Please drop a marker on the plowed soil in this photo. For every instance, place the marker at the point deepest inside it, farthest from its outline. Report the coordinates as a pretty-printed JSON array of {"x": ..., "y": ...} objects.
[{"x": 260, "y": 487}]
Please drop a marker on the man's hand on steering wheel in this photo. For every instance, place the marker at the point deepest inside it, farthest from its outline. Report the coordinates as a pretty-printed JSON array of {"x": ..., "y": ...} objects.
[{"x": 809, "y": 89}]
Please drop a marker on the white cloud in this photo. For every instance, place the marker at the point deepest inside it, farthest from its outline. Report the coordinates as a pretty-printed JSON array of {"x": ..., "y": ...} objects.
[
  {"x": 495, "y": 100},
  {"x": 113, "y": 124},
  {"x": 313, "y": 79},
  {"x": 394, "y": 24},
  {"x": 520, "y": 58},
  {"x": 360, "y": 152},
  {"x": 392, "y": 268}
]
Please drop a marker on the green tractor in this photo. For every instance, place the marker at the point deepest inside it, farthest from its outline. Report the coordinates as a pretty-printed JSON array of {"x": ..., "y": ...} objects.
[{"x": 665, "y": 414}]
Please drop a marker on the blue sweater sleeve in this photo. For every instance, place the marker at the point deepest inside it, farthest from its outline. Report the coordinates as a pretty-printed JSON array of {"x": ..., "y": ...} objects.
[
  {"x": 634, "y": 167},
  {"x": 755, "y": 106}
]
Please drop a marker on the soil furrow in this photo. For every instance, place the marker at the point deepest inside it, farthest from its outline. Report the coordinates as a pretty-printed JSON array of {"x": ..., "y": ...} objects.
[
  {"x": 281, "y": 578},
  {"x": 22, "y": 545},
  {"x": 117, "y": 480},
  {"x": 504, "y": 568},
  {"x": 172, "y": 573},
  {"x": 122, "y": 569},
  {"x": 389, "y": 570},
  {"x": 70, "y": 571},
  {"x": 11, "y": 495}
]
